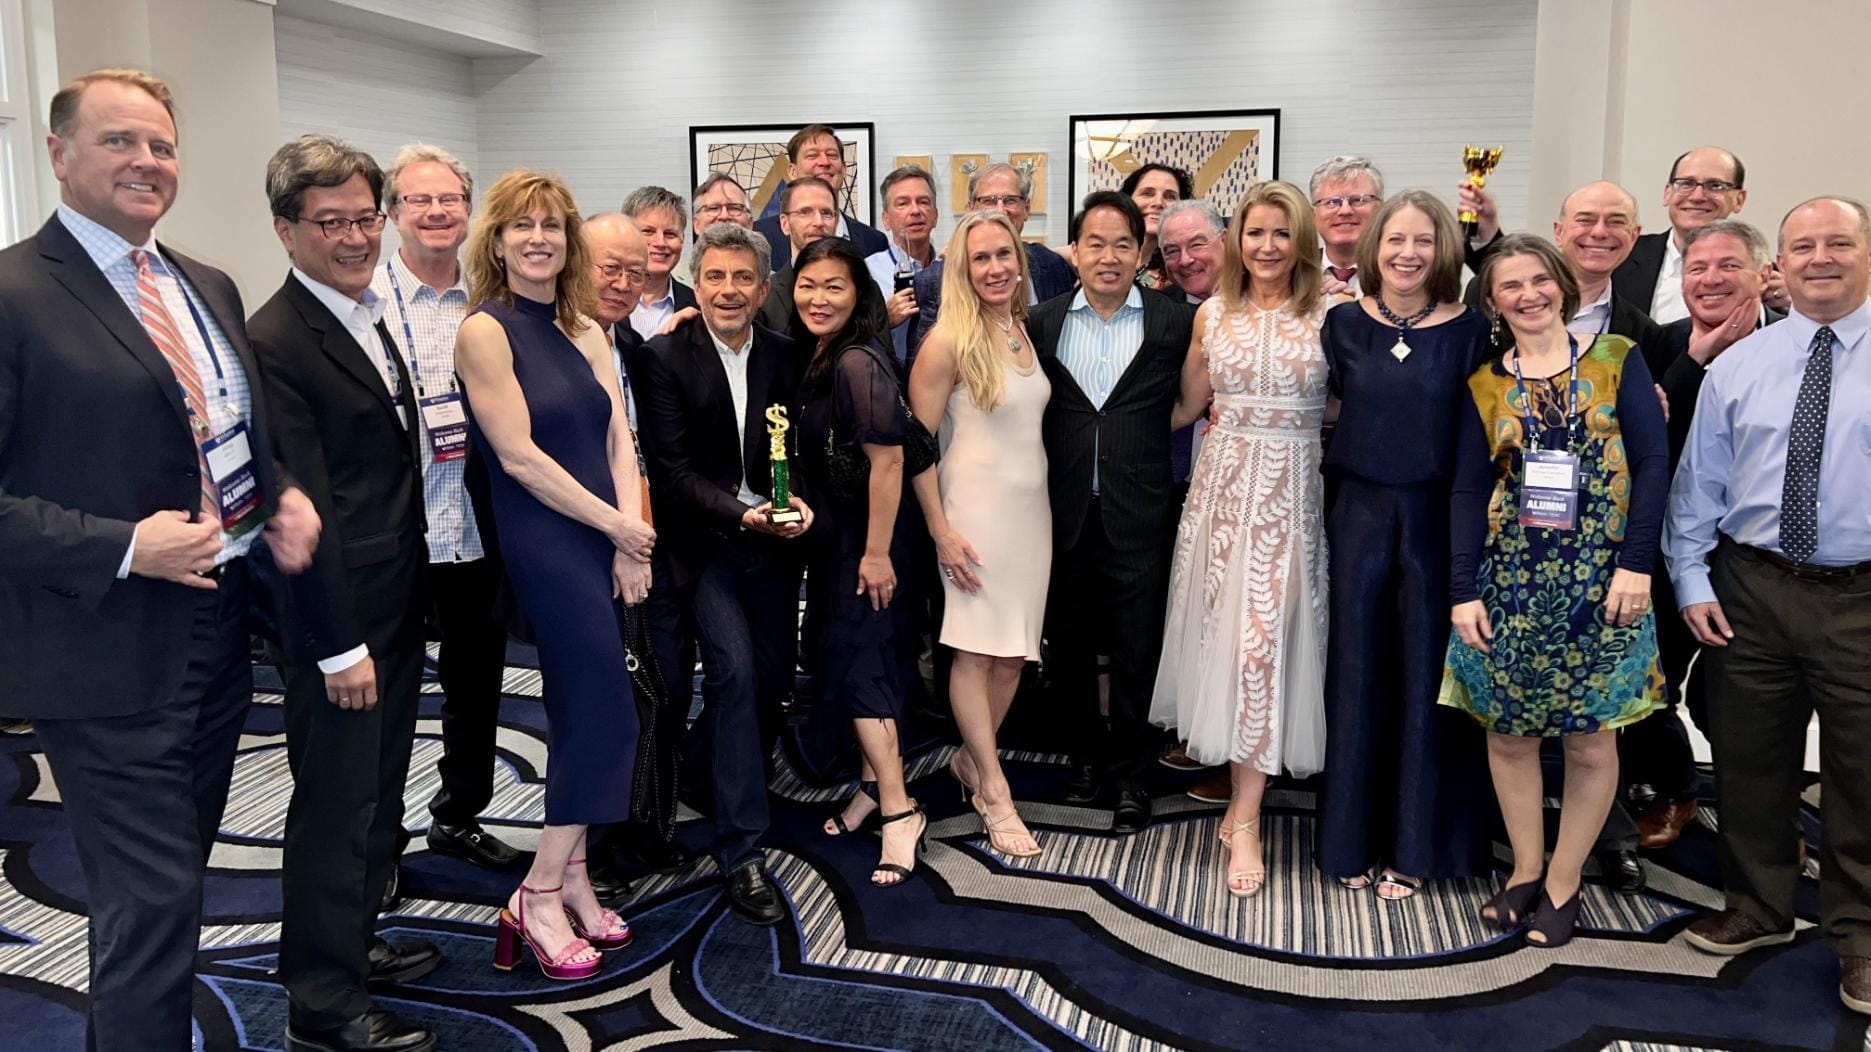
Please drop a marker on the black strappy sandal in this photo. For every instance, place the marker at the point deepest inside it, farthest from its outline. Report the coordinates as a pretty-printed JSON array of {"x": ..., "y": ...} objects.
[
  {"x": 1510, "y": 905},
  {"x": 867, "y": 789},
  {"x": 1553, "y": 924},
  {"x": 903, "y": 873}
]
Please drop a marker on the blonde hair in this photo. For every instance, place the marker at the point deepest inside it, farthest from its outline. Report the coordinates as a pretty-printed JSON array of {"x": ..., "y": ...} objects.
[
  {"x": 1308, "y": 272},
  {"x": 963, "y": 320},
  {"x": 512, "y": 196}
]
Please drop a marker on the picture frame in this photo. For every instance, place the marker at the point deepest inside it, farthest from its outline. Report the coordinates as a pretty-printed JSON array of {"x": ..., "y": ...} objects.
[
  {"x": 755, "y": 155},
  {"x": 1224, "y": 151}
]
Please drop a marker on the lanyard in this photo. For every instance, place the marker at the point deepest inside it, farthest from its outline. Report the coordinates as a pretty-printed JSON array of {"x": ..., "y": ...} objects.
[
  {"x": 1572, "y": 395},
  {"x": 207, "y": 342},
  {"x": 409, "y": 335}
]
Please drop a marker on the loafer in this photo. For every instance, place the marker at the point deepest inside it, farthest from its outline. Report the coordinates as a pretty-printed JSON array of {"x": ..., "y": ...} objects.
[
  {"x": 1085, "y": 786},
  {"x": 1216, "y": 789},
  {"x": 610, "y": 886},
  {"x": 472, "y": 844},
  {"x": 374, "y": 1031},
  {"x": 1132, "y": 812},
  {"x": 391, "y": 963},
  {"x": 753, "y": 896},
  {"x": 1177, "y": 758},
  {"x": 1621, "y": 870},
  {"x": 1732, "y": 932},
  {"x": 1658, "y": 827},
  {"x": 1855, "y": 983}
]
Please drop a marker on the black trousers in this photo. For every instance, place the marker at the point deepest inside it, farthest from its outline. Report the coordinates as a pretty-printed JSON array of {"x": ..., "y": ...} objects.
[
  {"x": 1656, "y": 752},
  {"x": 471, "y": 667},
  {"x": 1108, "y": 600},
  {"x": 1801, "y": 645},
  {"x": 144, "y": 795},
  {"x": 346, "y": 821}
]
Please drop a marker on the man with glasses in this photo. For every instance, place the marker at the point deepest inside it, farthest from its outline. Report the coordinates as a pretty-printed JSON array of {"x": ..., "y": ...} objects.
[
  {"x": 350, "y": 428},
  {"x": 808, "y": 212},
  {"x": 428, "y": 192},
  {"x": 720, "y": 199},
  {"x": 816, "y": 152},
  {"x": 1705, "y": 184},
  {"x": 1346, "y": 191},
  {"x": 660, "y": 217}
]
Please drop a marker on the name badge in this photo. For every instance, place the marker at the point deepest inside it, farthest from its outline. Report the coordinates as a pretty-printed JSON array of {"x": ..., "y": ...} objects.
[
  {"x": 1549, "y": 490},
  {"x": 230, "y": 463},
  {"x": 445, "y": 418}
]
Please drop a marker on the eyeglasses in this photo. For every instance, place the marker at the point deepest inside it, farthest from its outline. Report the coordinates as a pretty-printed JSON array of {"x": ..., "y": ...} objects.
[
  {"x": 1001, "y": 200},
  {"x": 425, "y": 200},
  {"x": 1711, "y": 186},
  {"x": 730, "y": 209},
  {"x": 1335, "y": 204},
  {"x": 813, "y": 213},
  {"x": 336, "y": 229},
  {"x": 1171, "y": 253},
  {"x": 612, "y": 271}
]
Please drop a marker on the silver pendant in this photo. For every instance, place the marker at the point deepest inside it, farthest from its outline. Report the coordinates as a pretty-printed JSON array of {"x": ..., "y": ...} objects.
[{"x": 1401, "y": 350}]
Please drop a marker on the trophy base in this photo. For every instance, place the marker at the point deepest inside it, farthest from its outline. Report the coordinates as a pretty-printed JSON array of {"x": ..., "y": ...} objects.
[{"x": 785, "y": 516}]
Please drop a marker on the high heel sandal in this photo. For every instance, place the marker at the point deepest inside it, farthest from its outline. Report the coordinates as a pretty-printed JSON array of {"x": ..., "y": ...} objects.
[
  {"x": 616, "y": 933},
  {"x": 512, "y": 931},
  {"x": 902, "y": 873},
  {"x": 1364, "y": 880},
  {"x": 995, "y": 834},
  {"x": 1510, "y": 905},
  {"x": 865, "y": 789},
  {"x": 1553, "y": 924},
  {"x": 1255, "y": 879}
]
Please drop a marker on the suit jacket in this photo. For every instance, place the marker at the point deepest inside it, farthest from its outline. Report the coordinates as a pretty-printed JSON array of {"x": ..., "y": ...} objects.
[
  {"x": 684, "y": 295},
  {"x": 1636, "y": 278},
  {"x": 1629, "y": 319},
  {"x": 864, "y": 238},
  {"x": 94, "y": 437},
  {"x": 1052, "y": 276},
  {"x": 1681, "y": 377},
  {"x": 695, "y": 450},
  {"x": 337, "y": 432},
  {"x": 1128, "y": 435}
]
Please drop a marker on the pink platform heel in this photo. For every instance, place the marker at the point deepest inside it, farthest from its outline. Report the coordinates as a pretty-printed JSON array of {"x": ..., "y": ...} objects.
[
  {"x": 615, "y": 933},
  {"x": 512, "y": 931}
]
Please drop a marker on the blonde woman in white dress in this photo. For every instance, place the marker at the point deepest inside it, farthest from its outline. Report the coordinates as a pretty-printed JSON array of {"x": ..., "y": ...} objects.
[
  {"x": 978, "y": 386},
  {"x": 1242, "y": 676}
]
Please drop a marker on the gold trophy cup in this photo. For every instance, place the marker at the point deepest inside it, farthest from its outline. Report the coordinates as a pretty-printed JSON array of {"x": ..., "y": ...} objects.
[
  {"x": 781, "y": 511},
  {"x": 1480, "y": 162}
]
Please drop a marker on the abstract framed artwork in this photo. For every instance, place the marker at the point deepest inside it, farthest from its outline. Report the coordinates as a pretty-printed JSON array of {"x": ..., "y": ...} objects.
[
  {"x": 755, "y": 155},
  {"x": 1224, "y": 151}
]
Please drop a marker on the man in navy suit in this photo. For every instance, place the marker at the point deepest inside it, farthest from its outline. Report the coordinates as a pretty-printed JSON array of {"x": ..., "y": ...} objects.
[
  {"x": 662, "y": 218},
  {"x": 815, "y": 150}
]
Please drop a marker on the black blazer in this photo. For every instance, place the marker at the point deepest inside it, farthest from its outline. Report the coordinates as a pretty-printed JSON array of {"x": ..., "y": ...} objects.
[
  {"x": 690, "y": 441},
  {"x": 1636, "y": 278},
  {"x": 337, "y": 432},
  {"x": 1681, "y": 378},
  {"x": 94, "y": 437},
  {"x": 1129, "y": 436},
  {"x": 864, "y": 238}
]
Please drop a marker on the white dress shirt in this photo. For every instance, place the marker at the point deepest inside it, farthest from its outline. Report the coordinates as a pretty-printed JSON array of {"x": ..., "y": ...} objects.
[
  {"x": 650, "y": 315},
  {"x": 1666, "y": 304},
  {"x": 734, "y": 363},
  {"x": 1593, "y": 319}
]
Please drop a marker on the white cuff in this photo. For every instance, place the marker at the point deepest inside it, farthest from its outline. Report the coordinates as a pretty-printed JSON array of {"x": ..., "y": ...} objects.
[
  {"x": 331, "y": 666},
  {"x": 129, "y": 554}
]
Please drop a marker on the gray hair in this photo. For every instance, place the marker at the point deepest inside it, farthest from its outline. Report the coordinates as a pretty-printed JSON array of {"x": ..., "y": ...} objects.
[
  {"x": 1347, "y": 166},
  {"x": 714, "y": 179},
  {"x": 732, "y": 236},
  {"x": 1201, "y": 206},
  {"x": 974, "y": 181},
  {"x": 316, "y": 160},
  {"x": 1745, "y": 233},
  {"x": 422, "y": 153},
  {"x": 650, "y": 198},
  {"x": 1864, "y": 215}
]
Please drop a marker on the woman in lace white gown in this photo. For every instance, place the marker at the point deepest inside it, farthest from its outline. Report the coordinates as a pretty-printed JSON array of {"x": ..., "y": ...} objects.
[{"x": 1243, "y": 671}]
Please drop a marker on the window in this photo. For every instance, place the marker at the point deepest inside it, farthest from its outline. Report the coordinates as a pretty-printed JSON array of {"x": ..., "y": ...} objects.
[{"x": 16, "y": 146}]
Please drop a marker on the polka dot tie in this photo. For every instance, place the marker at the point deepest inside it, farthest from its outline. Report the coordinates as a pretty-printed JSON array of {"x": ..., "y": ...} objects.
[{"x": 1799, "y": 495}]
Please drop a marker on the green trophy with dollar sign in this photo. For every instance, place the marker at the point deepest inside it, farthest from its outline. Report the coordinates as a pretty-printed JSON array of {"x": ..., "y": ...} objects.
[{"x": 781, "y": 511}]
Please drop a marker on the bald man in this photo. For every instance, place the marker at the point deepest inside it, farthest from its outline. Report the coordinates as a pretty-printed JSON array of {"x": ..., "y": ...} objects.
[
  {"x": 620, "y": 260},
  {"x": 1705, "y": 184}
]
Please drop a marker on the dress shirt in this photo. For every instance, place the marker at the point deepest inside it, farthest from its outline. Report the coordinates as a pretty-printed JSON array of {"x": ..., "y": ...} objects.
[
  {"x": 1594, "y": 318},
  {"x": 223, "y": 381},
  {"x": 883, "y": 268},
  {"x": 734, "y": 363},
  {"x": 650, "y": 315},
  {"x": 422, "y": 320},
  {"x": 1096, "y": 351},
  {"x": 1666, "y": 304},
  {"x": 1734, "y": 465}
]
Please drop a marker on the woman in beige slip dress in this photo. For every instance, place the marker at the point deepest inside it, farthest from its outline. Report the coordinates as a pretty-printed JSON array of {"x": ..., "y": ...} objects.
[{"x": 978, "y": 385}]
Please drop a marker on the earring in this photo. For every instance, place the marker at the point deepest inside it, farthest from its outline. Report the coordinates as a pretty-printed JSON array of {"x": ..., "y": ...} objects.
[{"x": 1494, "y": 328}]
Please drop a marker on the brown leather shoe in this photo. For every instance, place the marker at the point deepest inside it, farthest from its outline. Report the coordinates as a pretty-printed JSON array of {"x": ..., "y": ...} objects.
[
  {"x": 1177, "y": 758},
  {"x": 1855, "y": 983},
  {"x": 1218, "y": 789},
  {"x": 1660, "y": 825},
  {"x": 1732, "y": 932}
]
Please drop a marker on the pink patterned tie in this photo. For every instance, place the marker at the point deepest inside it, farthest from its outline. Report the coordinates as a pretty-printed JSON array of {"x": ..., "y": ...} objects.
[{"x": 168, "y": 339}]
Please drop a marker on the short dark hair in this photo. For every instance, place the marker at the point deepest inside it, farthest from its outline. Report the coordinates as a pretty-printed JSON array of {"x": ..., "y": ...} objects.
[
  {"x": 1185, "y": 187},
  {"x": 1109, "y": 199},
  {"x": 786, "y": 194},
  {"x": 862, "y": 328},
  {"x": 316, "y": 160},
  {"x": 1741, "y": 170},
  {"x": 906, "y": 172},
  {"x": 806, "y": 135}
]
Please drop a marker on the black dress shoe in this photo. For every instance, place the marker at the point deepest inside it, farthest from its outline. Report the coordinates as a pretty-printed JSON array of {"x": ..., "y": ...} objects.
[
  {"x": 392, "y": 889},
  {"x": 634, "y": 849},
  {"x": 391, "y": 964},
  {"x": 1132, "y": 812},
  {"x": 473, "y": 844},
  {"x": 374, "y": 1031},
  {"x": 1621, "y": 870},
  {"x": 1085, "y": 787},
  {"x": 611, "y": 887},
  {"x": 753, "y": 896}
]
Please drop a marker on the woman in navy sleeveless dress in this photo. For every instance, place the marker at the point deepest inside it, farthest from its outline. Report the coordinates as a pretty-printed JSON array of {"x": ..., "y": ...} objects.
[{"x": 544, "y": 413}]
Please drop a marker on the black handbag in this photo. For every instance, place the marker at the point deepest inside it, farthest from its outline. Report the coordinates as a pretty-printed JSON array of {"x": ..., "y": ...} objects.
[
  {"x": 659, "y": 727},
  {"x": 848, "y": 469}
]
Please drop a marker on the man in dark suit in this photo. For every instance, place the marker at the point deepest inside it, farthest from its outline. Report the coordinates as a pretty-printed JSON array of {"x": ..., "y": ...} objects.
[
  {"x": 816, "y": 151},
  {"x": 808, "y": 213},
  {"x": 1002, "y": 188},
  {"x": 662, "y": 218},
  {"x": 705, "y": 389},
  {"x": 348, "y": 425},
  {"x": 1114, "y": 354},
  {"x": 128, "y": 395},
  {"x": 1705, "y": 184}
]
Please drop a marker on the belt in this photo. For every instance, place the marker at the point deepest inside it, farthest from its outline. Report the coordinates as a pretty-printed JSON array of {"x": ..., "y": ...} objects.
[{"x": 1809, "y": 571}]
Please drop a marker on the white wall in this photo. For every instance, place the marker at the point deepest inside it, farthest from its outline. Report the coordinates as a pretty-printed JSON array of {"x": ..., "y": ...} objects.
[{"x": 1409, "y": 81}]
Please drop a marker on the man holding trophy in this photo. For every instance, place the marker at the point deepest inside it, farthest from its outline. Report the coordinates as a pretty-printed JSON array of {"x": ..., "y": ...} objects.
[{"x": 705, "y": 390}]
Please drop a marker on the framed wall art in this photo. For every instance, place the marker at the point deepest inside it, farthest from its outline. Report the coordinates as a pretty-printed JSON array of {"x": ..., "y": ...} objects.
[
  {"x": 755, "y": 155},
  {"x": 1224, "y": 151}
]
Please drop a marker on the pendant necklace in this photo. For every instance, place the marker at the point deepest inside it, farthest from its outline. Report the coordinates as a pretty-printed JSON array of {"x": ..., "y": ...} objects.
[
  {"x": 1013, "y": 342},
  {"x": 1402, "y": 348}
]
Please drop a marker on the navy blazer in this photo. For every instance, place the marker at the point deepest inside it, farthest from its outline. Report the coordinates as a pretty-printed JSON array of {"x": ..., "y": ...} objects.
[
  {"x": 1052, "y": 277},
  {"x": 864, "y": 238}
]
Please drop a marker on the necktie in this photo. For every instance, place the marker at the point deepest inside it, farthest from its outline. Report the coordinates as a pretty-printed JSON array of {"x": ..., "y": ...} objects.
[
  {"x": 1344, "y": 274},
  {"x": 1799, "y": 494},
  {"x": 168, "y": 339}
]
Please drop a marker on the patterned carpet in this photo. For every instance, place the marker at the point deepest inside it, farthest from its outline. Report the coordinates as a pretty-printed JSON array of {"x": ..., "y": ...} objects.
[{"x": 1100, "y": 942}]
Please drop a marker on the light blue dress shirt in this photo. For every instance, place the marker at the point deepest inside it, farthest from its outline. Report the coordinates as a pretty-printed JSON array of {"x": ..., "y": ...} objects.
[
  {"x": 1096, "y": 351},
  {"x": 883, "y": 268},
  {"x": 650, "y": 315},
  {"x": 1734, "y": 466}
]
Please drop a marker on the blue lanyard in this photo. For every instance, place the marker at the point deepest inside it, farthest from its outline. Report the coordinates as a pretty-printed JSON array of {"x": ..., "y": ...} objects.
[
  {"x": 409, "y": 335},
  {"x": 207, "y": 342},
  {"x": 1572, "y": 395}
]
